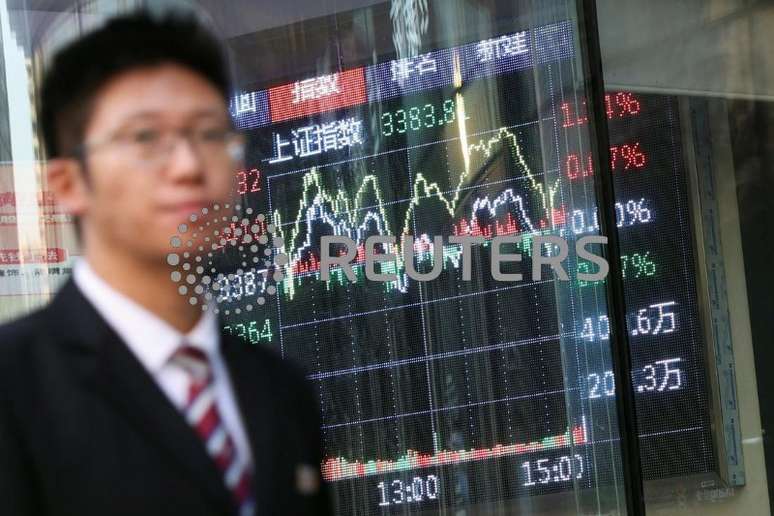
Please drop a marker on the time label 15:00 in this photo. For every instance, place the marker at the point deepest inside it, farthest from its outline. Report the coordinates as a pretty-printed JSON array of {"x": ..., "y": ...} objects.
[
  {"x": 415, "y": 118},
  {"x": 550, "y": 471}
]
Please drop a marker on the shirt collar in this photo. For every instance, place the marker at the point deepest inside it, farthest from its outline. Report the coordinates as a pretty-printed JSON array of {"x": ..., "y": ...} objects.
[{"x": 150, "y": 338}]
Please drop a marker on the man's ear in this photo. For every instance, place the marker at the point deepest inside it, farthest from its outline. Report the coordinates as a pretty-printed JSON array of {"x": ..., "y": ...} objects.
[{"x": 65, "y": 177}]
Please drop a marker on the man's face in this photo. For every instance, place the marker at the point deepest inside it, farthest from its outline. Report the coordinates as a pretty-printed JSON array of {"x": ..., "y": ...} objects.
[{"x": 144, "y": 179}]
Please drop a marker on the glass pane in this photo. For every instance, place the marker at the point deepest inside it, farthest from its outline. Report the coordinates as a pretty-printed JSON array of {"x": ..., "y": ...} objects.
[
  {"x": 37, "y": 240},
  {"x": 432, "y": 119},
  {"x": 689, "y": 89},
  {"x": 467, "y": 393}
]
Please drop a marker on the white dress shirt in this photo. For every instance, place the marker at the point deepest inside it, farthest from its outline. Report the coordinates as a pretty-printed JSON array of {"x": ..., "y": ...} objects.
[{"x": 154, "y": 342}]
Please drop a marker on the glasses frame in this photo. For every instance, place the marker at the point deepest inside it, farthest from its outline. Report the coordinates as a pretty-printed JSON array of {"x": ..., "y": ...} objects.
[{"x": 234, "y": 144}]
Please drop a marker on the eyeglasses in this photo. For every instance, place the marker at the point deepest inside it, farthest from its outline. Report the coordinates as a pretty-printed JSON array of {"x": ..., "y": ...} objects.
[{"x": 152, "y": 147}]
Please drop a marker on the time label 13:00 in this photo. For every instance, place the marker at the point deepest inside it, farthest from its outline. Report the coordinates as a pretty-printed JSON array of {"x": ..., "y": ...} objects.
[{"x": 419, "y": 489}]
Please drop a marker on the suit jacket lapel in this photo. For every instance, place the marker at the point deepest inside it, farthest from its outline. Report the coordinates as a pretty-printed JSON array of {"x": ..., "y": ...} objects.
[
  {"x": 121, "y": 379},
  {"x": 260, "y": 415}
]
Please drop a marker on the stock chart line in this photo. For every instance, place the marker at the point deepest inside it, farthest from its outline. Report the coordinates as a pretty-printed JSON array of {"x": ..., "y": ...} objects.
[
  {"x": 342, "y": 214},
  {"x": 485, "y": 148}
]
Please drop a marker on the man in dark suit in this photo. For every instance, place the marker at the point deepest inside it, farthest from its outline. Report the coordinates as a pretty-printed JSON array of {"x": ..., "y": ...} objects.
[{"x": 120, "y": 397}]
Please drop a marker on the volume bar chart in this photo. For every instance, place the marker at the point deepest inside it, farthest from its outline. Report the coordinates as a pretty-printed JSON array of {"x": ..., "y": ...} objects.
[{"x": 340, "y": 468}]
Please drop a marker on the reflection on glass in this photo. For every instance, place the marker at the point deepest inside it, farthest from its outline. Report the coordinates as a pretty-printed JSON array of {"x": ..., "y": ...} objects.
[
  {"x": 452, "y": 393},
  {"x": 703, "y": 133}
]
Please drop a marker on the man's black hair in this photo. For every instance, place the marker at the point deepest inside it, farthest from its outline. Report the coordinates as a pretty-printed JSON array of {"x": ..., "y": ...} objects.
[{"x": 79, "y": 71}]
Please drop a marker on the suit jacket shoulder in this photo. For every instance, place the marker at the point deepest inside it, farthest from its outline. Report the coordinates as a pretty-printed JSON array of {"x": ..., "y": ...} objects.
[{"x": 85, "y": 430}]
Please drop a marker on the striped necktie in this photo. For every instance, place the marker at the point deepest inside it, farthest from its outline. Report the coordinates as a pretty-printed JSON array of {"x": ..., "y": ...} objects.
[{"x": 201, "y": 412}]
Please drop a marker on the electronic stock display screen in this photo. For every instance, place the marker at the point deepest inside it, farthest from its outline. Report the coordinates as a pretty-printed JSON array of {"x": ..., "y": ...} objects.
[{"x": 449, "y": 393}]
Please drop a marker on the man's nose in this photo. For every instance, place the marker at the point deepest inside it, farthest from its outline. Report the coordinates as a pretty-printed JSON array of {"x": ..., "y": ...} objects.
[{"x": 185, "y": 162}]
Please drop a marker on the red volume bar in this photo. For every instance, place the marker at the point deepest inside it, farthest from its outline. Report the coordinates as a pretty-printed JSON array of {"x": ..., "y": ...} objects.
[{"x": 317, "y": 95}]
